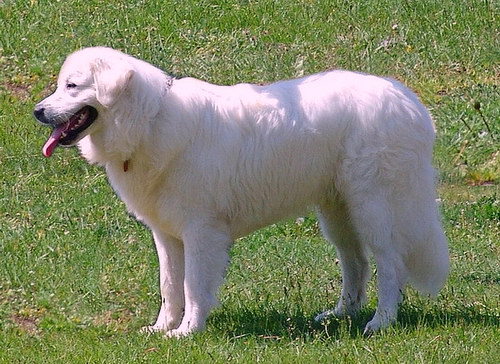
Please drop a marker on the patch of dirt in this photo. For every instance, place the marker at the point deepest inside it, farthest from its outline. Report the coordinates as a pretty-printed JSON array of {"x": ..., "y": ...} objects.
[
  {"x": 19, "y": 91},
  {"x": 26, "y": 324}
]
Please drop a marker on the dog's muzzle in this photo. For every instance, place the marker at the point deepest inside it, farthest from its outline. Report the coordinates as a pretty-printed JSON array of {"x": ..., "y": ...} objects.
[{"x": 65, "y": 132}]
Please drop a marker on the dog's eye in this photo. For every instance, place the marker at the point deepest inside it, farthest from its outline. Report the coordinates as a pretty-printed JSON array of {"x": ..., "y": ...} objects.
[{"x": 70, "y": 85}]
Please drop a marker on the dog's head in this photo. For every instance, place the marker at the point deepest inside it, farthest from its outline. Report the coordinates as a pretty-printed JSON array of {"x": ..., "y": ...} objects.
[{"x": 90, "y": 82}]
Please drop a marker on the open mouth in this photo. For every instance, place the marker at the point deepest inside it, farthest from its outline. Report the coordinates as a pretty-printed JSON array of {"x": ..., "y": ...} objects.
[{"x": 67, "y": 133}]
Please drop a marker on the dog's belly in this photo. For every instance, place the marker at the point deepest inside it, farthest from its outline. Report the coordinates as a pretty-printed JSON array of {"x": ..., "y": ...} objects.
[
  {"x": 245, "y": 225},
  {"x": 263, "y": 209}
]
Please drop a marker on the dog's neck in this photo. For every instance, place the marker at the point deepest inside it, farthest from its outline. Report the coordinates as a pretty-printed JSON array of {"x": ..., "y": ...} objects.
[{"x": 169, "y": 81}]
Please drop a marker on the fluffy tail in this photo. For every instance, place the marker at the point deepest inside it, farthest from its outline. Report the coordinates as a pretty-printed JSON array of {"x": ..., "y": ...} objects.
[{"x": 429, "y": 262}]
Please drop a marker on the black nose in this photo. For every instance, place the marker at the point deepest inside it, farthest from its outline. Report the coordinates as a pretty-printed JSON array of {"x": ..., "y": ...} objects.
[{"x": 39, "y": 114}]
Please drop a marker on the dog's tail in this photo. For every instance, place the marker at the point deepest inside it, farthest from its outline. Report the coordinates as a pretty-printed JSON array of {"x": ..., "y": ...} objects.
[{"x": 428, "y": 264}]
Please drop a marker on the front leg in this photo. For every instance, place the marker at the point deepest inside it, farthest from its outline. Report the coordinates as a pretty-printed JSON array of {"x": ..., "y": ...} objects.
[
  {"x": 171, "y": 260},
  {"x": 206, "y": 255}
]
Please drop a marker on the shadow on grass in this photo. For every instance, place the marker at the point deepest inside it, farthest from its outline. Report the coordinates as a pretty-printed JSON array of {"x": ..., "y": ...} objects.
[
  {"x": 269, "y": 323},
  {"x": 414, "y": 316}
]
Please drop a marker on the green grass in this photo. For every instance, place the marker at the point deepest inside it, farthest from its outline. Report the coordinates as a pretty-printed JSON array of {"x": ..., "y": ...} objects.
[{"x": 78, "y": 277}]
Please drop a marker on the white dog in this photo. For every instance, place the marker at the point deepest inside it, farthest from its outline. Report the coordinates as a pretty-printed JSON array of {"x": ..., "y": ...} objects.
[{"x": 203, "y": 165}]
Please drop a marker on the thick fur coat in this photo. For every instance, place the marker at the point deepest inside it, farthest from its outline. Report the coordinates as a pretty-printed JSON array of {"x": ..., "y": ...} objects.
[{"x": 203, "y": 165}]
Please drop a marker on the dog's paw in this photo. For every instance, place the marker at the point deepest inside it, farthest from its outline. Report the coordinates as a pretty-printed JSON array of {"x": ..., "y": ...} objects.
[
  {"x": 371, "y": 328},
  {"x": 178, "y": 333},
  {"x": 324, "y": 316},
  {"x": 377, "y": 323},
  {"x": 185, "y": 329}
]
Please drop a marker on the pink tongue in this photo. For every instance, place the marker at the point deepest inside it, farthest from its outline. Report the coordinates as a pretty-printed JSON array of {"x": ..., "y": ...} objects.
[{"x": 53, "y": 140}]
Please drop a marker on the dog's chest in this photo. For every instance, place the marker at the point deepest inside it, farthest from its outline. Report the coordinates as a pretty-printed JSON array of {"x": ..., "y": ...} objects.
[
  {"x": 131, "y": 184},
  {"x": 145, "y": 195}
]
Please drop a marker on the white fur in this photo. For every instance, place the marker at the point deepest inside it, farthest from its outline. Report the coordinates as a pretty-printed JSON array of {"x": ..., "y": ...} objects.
[{"x": 208, "y": 164}]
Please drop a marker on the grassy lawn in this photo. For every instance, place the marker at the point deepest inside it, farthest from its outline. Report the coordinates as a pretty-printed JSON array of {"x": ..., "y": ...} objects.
[{"x": 78, "y": 276}]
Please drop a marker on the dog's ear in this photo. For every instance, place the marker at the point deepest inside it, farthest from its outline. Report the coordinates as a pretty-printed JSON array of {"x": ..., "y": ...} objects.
[{"x": 111, "y": 80}]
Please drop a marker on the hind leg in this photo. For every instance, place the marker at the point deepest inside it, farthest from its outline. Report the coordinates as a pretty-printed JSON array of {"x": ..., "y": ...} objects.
[
  {"x": 372, "y": 219},
  {"x": 337, "y": 228}
]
